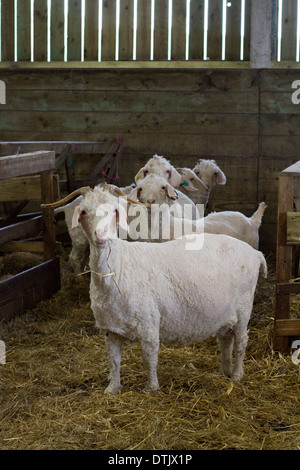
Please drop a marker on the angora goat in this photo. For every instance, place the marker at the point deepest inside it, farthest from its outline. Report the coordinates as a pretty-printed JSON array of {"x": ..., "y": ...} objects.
[{"x": 155, "y": 293}]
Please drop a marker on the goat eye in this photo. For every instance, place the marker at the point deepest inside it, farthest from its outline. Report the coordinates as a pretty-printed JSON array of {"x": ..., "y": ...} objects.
[
  {"x": 192, "y": 179},
  {"x": 163, "y": 187},
  {"x": 197, "y": 172},
  {"x": 168, "y": 171},
  {"x": 145, "y": 172},
  {"x": 83, "y": 213}
]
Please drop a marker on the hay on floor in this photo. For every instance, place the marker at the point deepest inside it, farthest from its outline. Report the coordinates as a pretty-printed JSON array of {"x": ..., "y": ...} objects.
[{"x": 52, "y": 386}]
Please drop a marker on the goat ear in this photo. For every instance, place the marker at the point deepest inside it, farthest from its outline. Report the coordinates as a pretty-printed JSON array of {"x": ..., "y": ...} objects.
[
  {"x": 140, "y": 174},
  {"x": 189, "y": 186},
  {"x": 75, "y": 218},
  {"x": 171, "y": 192},
  {"x": 174, "y": 178},
  {"x": 221, "y": 178}
]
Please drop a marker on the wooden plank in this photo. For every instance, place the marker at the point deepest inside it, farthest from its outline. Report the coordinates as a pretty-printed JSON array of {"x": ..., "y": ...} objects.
[
  {"x": 7, "y": 28},
  {"x": 214, "y": 35},
  {"x": 233, "y": 31},
  {"x": 290, "y": 327},
  {"x": 48, "y": 214},
  {"x": 21, "y": 230},
  {"x": 57, "y": 30},
  {"x": 40, "y": 30},
  {"x": 91, "y": 30},
  {"x": 143, "y": 39},
  {"x": 161, "y": 30},
  {"x": 108, "y": 101},
  {"x": 139, "y": 122},
  {"x": 247, "y": 31},
  {"x": 25, "y": 290},
  {"x": 293, "y": 228},
  {"x": 196, "y": 30},
  {"x": 25, "y": 187},
  {"x": 74, "y": 30},
  {"x": 288, "y": 288},
  {"x": 280, "y": 146},
  {"x": 108, "y": 45},
  {"x": 28, "y": 246},
  {"x": 289, "y": 30},
  {"x": 190, "y": 80},
  {"x": 126, "y": 30},
  {"x": 278, "y": 102},
  {"x": 23, "y": 31},
  {"x": 26, "y": 164},
  {"x": 283, "y": 256},
  {"x": 11, "y": 148},
  {"x": 136, "y": 144},
  {"x": 178, "y": 37}
]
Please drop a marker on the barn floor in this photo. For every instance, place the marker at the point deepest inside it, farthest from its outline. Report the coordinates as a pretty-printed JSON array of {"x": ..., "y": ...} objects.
[{"x": 55, "y": 373}]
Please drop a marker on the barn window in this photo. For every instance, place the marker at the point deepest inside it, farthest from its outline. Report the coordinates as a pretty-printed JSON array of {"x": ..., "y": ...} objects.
[{"x": 140, "y": 30}]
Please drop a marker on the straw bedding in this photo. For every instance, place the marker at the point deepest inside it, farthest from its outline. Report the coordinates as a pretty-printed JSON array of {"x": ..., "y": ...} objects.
[{"x": 55, "y": 373}]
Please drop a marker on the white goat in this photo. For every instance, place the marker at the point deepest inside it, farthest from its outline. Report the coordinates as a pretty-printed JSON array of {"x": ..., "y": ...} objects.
[
  {"x": 160, "y": 166},
  {"x": 155, "y": 189},
  {"x": 193, "y": 186},
  {"x": 79, "y": 253},
  {"x": 155, "y": 293},
  {"x": 232, "y": 223},
  {"x": 209, "y": 174}
]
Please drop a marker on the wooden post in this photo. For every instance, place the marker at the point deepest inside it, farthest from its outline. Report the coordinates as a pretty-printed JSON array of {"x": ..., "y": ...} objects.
[
  {"x": 48, "y": 215},
  {"x": 261, "y": 24}
]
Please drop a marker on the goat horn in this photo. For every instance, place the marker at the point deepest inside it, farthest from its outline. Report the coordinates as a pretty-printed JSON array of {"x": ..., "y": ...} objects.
[
  {"x": 78, "y": 192},
  {"x": 117, "y": 191}
]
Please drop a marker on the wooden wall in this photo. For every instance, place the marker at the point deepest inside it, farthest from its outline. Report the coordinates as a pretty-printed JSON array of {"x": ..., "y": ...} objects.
[{"x": 242, "y": 118}]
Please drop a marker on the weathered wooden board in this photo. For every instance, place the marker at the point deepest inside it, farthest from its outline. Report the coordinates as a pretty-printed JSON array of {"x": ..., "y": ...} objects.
[
  {"x": 28, "y": 246},
  {"x": 138, "y": 123},
  {"x": 25, "y": 187},
  {"x": 126, "y": 30},
  {"x": 91, "y": 30},
  {"x": 196, "y": 30},
  {"x": 142, "y": 101},
  {"x": 23, "y": 25},
  {"x": 161, "y": 30},
  {"x": 21, "y": 230},
  {"x": 289, "y": 327},
  {"x": 40, "y": 30},
  {"x": 7, "y": 26},
  {"x": 143, "y": 35},
  {"x": 289, "y": 31},
  {"x": 57, "y": 30},
  {"x": 25, "y": 290},
  {"x": 108, "y": 40},
  {"x": 26, "y": 164},
  {"x": 137, "y": 80},
  {"x": 178, "y": 36}
]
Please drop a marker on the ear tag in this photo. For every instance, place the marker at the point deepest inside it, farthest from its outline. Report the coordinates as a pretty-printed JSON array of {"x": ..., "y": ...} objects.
[
  {"x": 138, "y": 176},
  {"x": 185, "y": 183}
]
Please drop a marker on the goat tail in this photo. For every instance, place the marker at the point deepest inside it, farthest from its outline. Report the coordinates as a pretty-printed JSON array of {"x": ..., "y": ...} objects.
[
  {"x": 263, "y": 268},
  {"x": 258, "y": 214}
]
